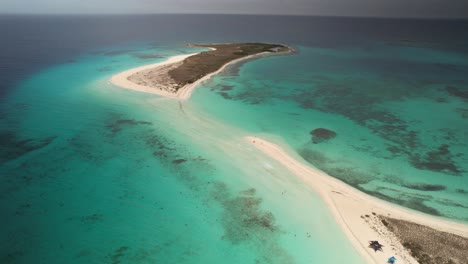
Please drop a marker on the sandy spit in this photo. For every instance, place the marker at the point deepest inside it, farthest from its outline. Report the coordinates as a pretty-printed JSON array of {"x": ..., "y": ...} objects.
[
  {"x": 122, "y": 79},
  {"x": 355, "y": 211}
]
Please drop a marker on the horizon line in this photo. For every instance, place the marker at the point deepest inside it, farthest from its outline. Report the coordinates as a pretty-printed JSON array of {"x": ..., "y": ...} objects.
[{"x": 241, "y": 14}]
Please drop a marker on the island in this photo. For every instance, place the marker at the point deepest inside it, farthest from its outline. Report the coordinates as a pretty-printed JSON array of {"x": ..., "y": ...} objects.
[
  {"x": 409, "y": 236},
  {"x": 402, "y": 234},
  {"x": 178, "y": 76}
]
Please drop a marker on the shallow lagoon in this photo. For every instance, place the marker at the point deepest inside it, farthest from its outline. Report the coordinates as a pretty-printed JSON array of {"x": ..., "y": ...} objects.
[
  {"x": 111, "y": 175},
  {"x": 93, "y": 173},
  {"x": 401, "y": 136}
]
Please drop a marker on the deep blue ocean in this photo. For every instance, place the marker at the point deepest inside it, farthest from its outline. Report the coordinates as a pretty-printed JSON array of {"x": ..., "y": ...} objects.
[{"x": 91, "y": 173}]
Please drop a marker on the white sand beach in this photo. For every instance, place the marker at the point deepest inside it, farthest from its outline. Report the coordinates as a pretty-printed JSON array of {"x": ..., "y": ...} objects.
[
  {"x": 122, "y": 79},
  {"x": 350, "y": 207},
  {"x": 356, "y": 212}
]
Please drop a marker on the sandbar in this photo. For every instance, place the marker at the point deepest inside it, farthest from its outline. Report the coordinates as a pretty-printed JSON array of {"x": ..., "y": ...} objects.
[
  {"x": 359, "y": 215},
  {"x": 362, "y": 217}
]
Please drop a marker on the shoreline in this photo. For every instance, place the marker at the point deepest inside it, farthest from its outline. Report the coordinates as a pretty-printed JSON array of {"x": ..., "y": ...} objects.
[
  {"x": 356, "y": 212},
  {"x": 186, "y": 91},
  {"x": 122, "y": 79}
]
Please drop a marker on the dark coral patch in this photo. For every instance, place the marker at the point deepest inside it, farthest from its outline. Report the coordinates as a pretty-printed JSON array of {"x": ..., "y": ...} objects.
[
  {"x": 348, "y": 175},
  {"x": 425, "y": 187},
  {"x": 93, "y": 218},
  {"x": 179, "y": 161},
  {"x": 118, "y": 255},
  {"x": 132, "y": 122},
  {"x": 225, "y": 95},
  {"x": 13, "y": 147},
  {"x": 147, "y": 56},
  {"x": 447, "y": 66},
  {"x": 452, "y": 203},
  {"x": 457, "y": 92},
  {"x": 413, "y": 203},
  {"x": 463, "y": 112},
  {"x": 227, "y": 88},
  {"x": 439, "y": 160},
  {"x": 357, "y": 179},
  {"x": 440, "y": 100},
  {"x": 243, "y": 218},
  {"x": 253, "y": 95},
  {"x": 322, "y": 134},
  {"x": 118, "y": 125},
  {"x": 250, "y": 191},
  {"x": 313, "y": 157}
]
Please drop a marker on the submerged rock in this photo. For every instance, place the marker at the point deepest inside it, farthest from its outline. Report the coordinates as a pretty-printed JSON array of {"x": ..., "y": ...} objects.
[{"x": 322, "y": 134}]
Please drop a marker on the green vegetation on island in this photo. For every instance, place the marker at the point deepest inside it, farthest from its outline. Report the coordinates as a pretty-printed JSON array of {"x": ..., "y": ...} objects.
[
  {"x": 201, "y": 64},
  {"x": 428, "y": 245}
]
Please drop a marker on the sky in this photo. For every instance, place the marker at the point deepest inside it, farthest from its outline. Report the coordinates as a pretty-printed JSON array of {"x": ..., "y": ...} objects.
[{"x": 374, "y": 8}]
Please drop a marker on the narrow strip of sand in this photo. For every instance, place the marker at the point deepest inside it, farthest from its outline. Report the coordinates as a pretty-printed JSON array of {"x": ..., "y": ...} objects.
[
  {"x": 122, "y": 79},
  {"x": 354, "y": 210}
]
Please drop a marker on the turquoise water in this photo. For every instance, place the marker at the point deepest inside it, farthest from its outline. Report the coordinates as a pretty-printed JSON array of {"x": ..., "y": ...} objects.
[
  {"x": 91, "y": 173},
  {"x": 96, "y": 174},
  {"x": 399, "y": 113}
]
